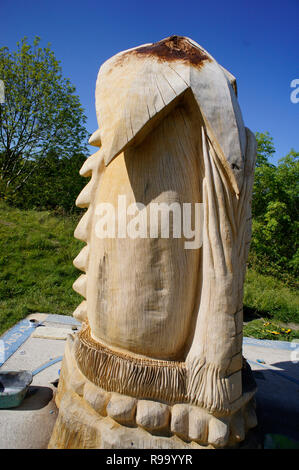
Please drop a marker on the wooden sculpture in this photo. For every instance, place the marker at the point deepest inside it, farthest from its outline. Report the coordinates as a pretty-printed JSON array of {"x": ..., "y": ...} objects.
[{"x": 158, "y": 360}]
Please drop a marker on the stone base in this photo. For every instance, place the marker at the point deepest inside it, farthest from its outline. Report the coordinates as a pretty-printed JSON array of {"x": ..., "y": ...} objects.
[{"x": 92, "y": 418}]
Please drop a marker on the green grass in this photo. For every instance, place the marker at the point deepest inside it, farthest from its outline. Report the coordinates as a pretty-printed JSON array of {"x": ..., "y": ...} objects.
[
  {"x": 268, "y": 300},
  {"x": 264, "y": 329},
  {"x": 267, "y": 296},
  {"x": 36, "y": 253}
]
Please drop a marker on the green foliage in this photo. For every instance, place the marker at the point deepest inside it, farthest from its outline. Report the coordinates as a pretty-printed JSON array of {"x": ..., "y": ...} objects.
[
  {"x": 41, "y": 151},
  {"x": 265, "y": 148},
  {"x": 274, "y": 246},
  {"x": 274, "y": 330},
  {"x": 36, "y": 253},
  {"x": 41, "y": 113},
  {"x": 270, "y": 308},
  {"x": 55, "y": 186},
  {"x": 268, "y": 297}
]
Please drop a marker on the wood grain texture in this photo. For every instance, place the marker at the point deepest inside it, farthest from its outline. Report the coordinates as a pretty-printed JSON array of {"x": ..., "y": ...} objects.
[
  {"x": 141, "y": 292},
  {"x": 91, "y": 417},
  {"x": 165, "y": 322}
]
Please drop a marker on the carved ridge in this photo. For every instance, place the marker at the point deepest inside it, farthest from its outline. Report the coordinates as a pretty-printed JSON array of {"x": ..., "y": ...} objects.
[
  {"x": 167, "y": 381},
  {"x": 117, "y": 372}
]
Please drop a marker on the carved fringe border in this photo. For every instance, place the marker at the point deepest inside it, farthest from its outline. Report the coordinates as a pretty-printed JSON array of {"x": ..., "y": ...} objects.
[
  {"x": 206, "y": 387},
  {"x": 116, "y": 372},
  {"x": 149, "y": 378}
]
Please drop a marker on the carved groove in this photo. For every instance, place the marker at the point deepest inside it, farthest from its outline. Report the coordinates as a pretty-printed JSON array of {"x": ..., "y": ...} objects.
[{"x": 146, "y": 378}]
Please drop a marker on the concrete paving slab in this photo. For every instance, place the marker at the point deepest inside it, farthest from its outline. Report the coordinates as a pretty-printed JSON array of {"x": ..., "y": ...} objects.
[
  {"x": 53, "y": 318},
  {"x": 50, "y": 332},
  {"x": 278, "y": 386},
  {"x": 30, "y": 425}
]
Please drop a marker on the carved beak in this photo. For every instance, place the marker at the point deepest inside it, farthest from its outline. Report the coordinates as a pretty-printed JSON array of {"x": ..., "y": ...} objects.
[{"x": 147, "y": 87}]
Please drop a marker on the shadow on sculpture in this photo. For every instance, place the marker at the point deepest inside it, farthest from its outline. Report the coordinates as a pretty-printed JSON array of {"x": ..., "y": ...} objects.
[{"x": 158, "y": 362}]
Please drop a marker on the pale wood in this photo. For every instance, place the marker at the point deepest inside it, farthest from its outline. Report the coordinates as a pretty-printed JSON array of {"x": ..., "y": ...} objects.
[
  {"x": 90, "y": 417},
  {"x": 162, "y": 324}
]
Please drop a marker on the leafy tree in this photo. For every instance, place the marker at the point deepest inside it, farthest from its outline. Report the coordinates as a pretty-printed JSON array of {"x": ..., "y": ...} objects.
[
  {"x": 265, "y": 148},
  {"x": 55, "y": 186},
  {"x": 287, "y": 179},
  {"x": 274, "y": 247},
  {"x": 264, "y": 189},
  {"x": 264, "y": 182},
  {"x": 41, "y": 113}
]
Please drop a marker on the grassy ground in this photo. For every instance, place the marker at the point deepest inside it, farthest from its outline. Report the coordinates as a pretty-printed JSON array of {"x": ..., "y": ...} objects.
[
  {"x": 271, "y": 309},
  {"x": 36, "y": 253}
]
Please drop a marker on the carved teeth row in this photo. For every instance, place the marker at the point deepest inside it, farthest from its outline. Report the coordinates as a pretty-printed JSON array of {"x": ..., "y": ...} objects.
[
  {"x": 80, "y": 285},
  {"x": 81, "y": 311},
  {"x": 95, "y": 139},
  {"x": 84, "y": 198},
  {"x": 93, "y": 166},
  {"x": 89, "y": 168},
  {"x": 81, "y": 260},
  {"x": 188, "y": 422},
  {"x": 82, "y": 230},
  {"x": 90, "y": 164}
]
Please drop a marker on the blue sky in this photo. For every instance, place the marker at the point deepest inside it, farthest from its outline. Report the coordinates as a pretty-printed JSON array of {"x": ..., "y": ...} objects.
[{"x": 255, "y": 40}]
